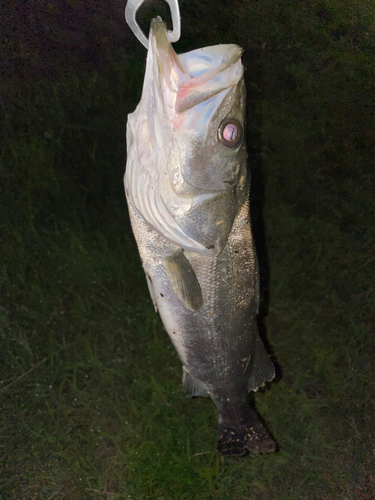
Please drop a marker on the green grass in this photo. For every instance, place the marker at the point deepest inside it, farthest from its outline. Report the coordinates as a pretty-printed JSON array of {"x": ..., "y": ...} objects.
[{"x": 90, "y": 386}]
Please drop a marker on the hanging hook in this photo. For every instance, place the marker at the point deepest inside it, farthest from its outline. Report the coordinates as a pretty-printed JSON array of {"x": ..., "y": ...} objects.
[{"x": 131, "y": 10}]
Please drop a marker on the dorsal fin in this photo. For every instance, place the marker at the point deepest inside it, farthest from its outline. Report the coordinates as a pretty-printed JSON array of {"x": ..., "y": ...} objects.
[{"x": 263, "y": 370}]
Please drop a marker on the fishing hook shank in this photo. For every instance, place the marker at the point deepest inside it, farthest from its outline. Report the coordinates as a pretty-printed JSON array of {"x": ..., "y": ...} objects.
[{"x": 130, "y": 15}]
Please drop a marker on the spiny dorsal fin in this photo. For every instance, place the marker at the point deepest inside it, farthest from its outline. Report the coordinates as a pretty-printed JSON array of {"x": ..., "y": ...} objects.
[{"x": 184, "y": 280}]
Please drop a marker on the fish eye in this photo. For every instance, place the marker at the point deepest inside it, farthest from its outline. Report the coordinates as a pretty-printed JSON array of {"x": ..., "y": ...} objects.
[{"x": 230, "y": 133}]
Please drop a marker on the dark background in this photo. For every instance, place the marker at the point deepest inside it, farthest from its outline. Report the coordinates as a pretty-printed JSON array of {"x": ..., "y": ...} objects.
[{"x": 90, "y": 393}]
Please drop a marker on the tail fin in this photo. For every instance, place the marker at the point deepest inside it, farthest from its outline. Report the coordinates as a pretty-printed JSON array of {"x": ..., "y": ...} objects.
[{"x": 252, "y": 437}]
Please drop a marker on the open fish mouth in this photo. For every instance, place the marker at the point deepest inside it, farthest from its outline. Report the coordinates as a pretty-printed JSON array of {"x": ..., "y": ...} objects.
[{"x": 198, "y": 75}]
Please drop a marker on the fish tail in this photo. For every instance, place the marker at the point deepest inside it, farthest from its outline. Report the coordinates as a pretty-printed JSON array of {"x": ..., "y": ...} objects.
[{"x": 251, "y": 437}]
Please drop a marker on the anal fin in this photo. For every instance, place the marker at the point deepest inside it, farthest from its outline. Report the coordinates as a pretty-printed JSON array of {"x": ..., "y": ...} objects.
[
  {"x": 184, "y": 280},
  {"x": 191, "y": 386}
]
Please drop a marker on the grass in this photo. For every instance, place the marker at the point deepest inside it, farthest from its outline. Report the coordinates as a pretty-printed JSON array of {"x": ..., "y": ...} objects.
[{"x": 90, "y": 386}]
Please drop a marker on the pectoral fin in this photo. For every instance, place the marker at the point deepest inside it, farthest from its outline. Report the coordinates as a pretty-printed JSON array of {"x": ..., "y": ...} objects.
[{"x": 184, "y": 280}]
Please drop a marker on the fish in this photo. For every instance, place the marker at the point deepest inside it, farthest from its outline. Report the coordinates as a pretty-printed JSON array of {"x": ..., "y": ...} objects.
[{"x": 187, "y": 189}]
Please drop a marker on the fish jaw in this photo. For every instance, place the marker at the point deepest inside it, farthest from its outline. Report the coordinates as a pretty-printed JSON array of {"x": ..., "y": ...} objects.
[
  {"x": 175, "y": 161},
  {"x": 194, "y": 77}
]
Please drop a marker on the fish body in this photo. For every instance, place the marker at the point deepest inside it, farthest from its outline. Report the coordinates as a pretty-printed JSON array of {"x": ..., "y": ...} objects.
[{"x": 187, "y": 188}]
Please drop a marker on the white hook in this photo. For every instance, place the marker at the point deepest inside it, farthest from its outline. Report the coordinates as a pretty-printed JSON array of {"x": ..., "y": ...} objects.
[{"x": 131, "y": 10}]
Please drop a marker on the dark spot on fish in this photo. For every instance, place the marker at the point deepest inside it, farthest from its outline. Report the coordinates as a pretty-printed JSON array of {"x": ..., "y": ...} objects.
[
  {"x": 149, "y": 277},
  {"x": 210, "y": 246},
  {"x": 174, "y": 333},
  {"x": 161, "y": 294},
  {"x": 236, "y": 251},
  {"x": 218, "y": 329}
]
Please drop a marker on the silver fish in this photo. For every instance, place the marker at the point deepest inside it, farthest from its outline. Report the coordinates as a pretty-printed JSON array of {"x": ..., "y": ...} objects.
[{"x": 187, "y": 188}]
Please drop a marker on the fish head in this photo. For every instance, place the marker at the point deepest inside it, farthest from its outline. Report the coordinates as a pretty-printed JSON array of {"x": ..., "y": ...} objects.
[
  {"x": 189, "y": 129},
  {"x": 202, "y": 94}
]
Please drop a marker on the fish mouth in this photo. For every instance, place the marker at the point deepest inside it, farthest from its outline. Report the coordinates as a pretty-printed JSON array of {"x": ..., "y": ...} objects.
[{"x": 196, "y": 76}]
